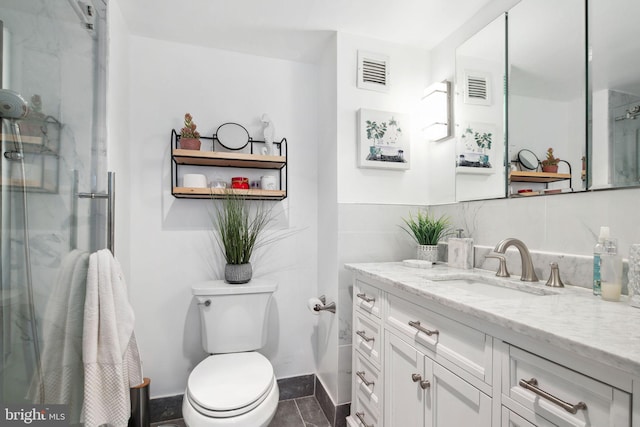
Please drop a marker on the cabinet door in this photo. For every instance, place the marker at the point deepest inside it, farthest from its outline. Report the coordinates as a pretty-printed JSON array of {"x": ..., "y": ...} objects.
[
  {"x": 455, "y": 402},
  {"x": 404, "y": 398}
]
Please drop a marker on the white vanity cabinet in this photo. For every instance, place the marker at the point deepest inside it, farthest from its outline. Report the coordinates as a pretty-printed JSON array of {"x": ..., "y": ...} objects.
[
  {"x": 417, "y": 363},
  {"x": 367, "y": 381}
]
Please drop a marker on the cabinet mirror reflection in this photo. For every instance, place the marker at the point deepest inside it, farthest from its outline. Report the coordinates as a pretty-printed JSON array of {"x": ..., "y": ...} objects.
[
  {"x": 590, "y": 120},
  {"x": 615, "y": 70},
  {"x": 479, "y": 114},
  {"x": 546, "y": 96}
]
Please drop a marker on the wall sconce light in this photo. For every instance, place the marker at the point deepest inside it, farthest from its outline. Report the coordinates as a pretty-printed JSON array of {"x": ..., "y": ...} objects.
[{"x": 437, "y": 111}]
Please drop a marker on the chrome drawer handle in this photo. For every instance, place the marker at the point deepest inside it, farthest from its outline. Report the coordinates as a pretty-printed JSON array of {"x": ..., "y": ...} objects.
[
  {"x": 366, "y": 382},
  {"x": 532, "y": 385},
  {"x": 364, "y": 337},
  {"x": 365, "y": 298},
  {"x": 360, "y": 416},
  {"x": 419, "y": 327},
  {"x": 424, "y": 384}
]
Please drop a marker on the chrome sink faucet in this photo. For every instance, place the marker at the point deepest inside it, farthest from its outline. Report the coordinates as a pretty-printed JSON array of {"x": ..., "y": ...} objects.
[{"x": 528, "y": 273}]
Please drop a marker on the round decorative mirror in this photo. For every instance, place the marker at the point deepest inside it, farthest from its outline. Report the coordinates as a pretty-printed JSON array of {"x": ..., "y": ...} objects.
[
  {"x": 232, "y": 136},
  {"x": 528, "y": 159}
]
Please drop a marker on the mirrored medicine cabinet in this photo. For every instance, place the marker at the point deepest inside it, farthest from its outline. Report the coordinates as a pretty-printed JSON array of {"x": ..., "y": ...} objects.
[{"x": 537, "y": 78}]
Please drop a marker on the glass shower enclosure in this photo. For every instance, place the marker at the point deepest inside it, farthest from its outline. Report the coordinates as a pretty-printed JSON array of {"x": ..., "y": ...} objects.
[{"x": 53, "y": 149}]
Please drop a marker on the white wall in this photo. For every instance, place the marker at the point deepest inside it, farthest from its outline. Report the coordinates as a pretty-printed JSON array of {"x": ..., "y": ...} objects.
[
  {"x": 565, "y": 224},
  {"x": 326, "y": 333},
  {"x": 408, "y": 68},
  {"x": 171, "y": 241},
  {"x": 118, "y": 122},
  {"x": 342, "y": 183}
]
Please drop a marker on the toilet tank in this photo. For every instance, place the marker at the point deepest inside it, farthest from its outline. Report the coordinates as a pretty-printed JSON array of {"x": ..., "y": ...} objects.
[{"x": 233, "y": 317}]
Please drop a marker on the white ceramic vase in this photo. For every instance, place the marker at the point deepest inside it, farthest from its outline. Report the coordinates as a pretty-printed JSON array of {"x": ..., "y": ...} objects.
[{"x": 427, "y": 253}]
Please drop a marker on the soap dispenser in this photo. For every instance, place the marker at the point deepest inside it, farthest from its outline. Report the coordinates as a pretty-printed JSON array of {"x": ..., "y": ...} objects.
[
  {"x": 460, "y": 251},
  {"x": 607, "y": 267},
  {"x": 598, "y": 250}
]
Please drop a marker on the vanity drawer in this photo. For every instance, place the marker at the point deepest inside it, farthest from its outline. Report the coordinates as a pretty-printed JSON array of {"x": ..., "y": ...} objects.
[
  {"x": 560, "y": 395},
  {"x": 367, "y": 382},
  {"x": 362, "y": 415},
  {"x": 367, "y": 298},
  {"x": 462, "y": 345},
  {"x": 367, "y": 337}
]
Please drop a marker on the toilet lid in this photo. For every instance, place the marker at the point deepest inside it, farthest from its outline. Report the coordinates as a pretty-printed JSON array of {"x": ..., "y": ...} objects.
[{"x": 225, "y": 382}]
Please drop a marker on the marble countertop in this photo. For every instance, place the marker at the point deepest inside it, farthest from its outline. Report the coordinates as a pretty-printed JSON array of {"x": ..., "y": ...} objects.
[{"x": 571, "y": 318}]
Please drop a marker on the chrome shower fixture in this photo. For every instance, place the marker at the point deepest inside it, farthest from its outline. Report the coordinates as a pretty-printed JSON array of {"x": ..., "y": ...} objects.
[
  {"x": 633, "y": 112},
  {"x": 86, "y": 13},
  {"x": 12, "y": 105}
]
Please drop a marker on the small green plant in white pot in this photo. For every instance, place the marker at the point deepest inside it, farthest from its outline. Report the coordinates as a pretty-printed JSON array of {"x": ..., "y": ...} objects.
[{"x": 427, "y": 231}]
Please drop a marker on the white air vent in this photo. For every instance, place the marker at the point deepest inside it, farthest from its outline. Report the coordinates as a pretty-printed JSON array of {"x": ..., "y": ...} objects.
[
  {"x": 373, "y": 71},
  {"x": 477, "y": 88}
]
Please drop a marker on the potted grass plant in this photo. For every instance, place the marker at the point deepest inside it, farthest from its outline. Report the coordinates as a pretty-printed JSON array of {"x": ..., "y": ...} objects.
[
  {"x": 239, "y": 232},
  {"x": 427, "y": 231}
]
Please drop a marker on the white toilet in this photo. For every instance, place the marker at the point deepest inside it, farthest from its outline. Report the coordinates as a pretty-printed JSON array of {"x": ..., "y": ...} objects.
[{"x": 235, "y": 385}]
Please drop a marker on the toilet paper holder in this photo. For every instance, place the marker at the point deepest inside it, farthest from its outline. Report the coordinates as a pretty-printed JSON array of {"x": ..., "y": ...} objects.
[{"x": 331, "y": 307}]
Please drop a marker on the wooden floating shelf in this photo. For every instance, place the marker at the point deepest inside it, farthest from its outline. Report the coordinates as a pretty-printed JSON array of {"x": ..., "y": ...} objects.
[
  {"x": 218, "y": 158},
  {"x": 26, "y": 139},
  {"x": 543, "y": 177},
  {"x": 219, "y": 193}
]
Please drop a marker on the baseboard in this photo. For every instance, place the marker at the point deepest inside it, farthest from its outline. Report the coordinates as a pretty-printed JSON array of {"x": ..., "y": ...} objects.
[
  {"x": 336, "y": 415},
  {"x": 165, "y": 408},
  {"x": 170, "y": 408},
  {"x": 295, "y": 387}
]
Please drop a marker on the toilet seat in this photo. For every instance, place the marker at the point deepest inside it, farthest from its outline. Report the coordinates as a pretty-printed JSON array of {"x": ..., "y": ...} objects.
[{"x": 228, "y": 385}]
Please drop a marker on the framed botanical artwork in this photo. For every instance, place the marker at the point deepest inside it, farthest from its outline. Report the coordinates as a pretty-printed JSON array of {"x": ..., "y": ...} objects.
[
  {"x": 476, "y": 146},
  {"x": 383, "y": 140}
]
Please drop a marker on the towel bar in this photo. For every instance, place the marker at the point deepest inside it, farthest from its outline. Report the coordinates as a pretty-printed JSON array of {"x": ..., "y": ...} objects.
[{"x": 110, "y": 195}]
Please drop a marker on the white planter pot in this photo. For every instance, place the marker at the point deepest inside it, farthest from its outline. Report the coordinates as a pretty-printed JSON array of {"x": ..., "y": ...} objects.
[{"x": 427, "y": 253}]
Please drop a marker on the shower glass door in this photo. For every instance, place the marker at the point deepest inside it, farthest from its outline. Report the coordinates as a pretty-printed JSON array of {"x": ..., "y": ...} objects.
[
  {"x": 52, "y": 114},
  {"x": 625, "y": 149}
]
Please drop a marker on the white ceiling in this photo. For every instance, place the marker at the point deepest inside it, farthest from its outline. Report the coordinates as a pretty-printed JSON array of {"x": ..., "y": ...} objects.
[{"x": 296, "y": 29}]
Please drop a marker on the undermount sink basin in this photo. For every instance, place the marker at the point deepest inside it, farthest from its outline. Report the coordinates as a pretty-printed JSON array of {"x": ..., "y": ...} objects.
[{"x": 495, "y": 287}]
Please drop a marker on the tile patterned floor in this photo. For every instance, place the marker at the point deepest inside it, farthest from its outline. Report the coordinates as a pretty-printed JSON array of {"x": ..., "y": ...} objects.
[{"x": 300, "y": 412}]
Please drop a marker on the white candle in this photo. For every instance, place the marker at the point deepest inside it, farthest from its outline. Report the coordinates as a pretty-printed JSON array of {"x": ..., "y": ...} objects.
[{"x": 611, "y": 291}]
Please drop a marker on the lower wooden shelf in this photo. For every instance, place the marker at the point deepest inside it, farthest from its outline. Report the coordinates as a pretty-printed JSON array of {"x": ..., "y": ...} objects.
[
  {"x": 219, "y": 193},
  {"x": 544, "y": 177}
]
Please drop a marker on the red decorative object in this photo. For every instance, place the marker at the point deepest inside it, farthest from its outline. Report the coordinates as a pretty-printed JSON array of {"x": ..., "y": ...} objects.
[
  {"x": 240, "y": 182},
  {"x": 550, "y": 168}
]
